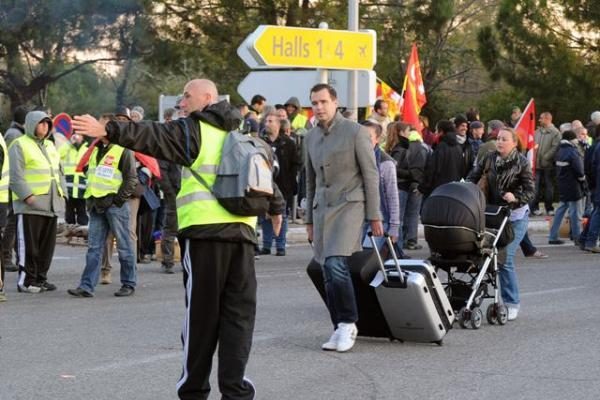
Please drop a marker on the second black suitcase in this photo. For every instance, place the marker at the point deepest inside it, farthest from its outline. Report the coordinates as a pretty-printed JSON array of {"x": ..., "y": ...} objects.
[{"x": 371, "y": 321}]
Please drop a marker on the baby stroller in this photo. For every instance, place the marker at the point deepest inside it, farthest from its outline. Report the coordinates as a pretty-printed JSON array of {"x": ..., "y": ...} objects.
[{"x": 464, "y": 238}]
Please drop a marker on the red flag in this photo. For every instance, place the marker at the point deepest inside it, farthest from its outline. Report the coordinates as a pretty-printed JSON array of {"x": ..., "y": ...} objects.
[
  {"x": 413, "y": 92},
  {"x": 85, "y": 159},
  {"x": 149, "y": 162},
  {"x": 525, "y": 128}
]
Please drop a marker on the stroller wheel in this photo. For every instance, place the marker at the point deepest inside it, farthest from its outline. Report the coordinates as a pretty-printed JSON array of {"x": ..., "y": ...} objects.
[
  {"x": 476, "y": 318},
  {"x": 501, "y": 313},
  {"x": 464, "y": 316},
  {"x": 491, "y": 314}
]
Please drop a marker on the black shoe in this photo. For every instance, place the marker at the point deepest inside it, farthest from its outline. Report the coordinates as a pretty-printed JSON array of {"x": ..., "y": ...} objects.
[
  {"x": 167, "y": 269},
  {"x": 265, "y": 252},
  {"x": 557, "y": 241},
  {"x": 125, "y": 291},
  {"x": 79, "y": 292},
  {"x": 47, "y": 286},
  {"x": 10, "y": 267},
  {"x": 280, "y": 252}
]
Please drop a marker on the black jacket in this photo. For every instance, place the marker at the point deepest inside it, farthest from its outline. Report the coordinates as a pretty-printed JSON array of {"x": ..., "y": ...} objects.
[
  {"x": 411, "y": 158},
  {"x": 170, "y": 177},
  {"x": 130, "y": 181},
  {"x": 520, "y": 180},
  {"x": 169, "y": 141},
  {"x": 289, "y": 162},
  {"x": 569, "y": 172},
  {"x": 446, "y": 164}
]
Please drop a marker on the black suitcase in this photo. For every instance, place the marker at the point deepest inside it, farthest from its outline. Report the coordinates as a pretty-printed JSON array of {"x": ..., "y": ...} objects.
[{"x": 371, "y": 321}]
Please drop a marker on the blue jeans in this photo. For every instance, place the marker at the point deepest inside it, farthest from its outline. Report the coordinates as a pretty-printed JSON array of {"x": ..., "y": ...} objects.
[
  {"x": 593, "y": 229},
  {"x": 410, "y": 206},
  {"x": 509, "y": 286},
  {"x": 527, "y": 246},
  {"x": 115, "y": 219},
  {"x": 574, "y": 215},
  {"x": 268, "y": 234},
  {"x": 339, "y": 290}
]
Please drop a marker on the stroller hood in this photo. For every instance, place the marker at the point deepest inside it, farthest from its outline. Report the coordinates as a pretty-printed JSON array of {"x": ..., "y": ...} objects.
[{"x": 455, "y": 204}]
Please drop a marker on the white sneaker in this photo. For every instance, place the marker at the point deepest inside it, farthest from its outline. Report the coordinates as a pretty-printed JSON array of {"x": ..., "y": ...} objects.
[
  {"x": 346, "y": 337},
  {"x": 29, "y": 289},
  {"x": 513, "y": 312},
  {"x": 331, "y": 344}
]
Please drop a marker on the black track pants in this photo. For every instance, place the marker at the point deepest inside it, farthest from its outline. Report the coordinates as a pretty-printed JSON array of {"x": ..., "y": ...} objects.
[{"x": 220, "y": 286}]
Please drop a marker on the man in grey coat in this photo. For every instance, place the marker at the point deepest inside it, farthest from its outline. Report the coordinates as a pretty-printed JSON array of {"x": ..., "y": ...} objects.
[
  {"x": 547, "y": 140},
  {"x": 342, "y": 191}
]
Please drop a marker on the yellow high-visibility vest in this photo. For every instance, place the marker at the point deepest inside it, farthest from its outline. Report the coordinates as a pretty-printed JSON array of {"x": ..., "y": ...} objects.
[
  {"x": 5, "y": 173},
  {"x": 104, "y": 177},
  {"x": 299, "y": 122},
  {"x": 40, "y": 169},
  {"x": 70, "y": 157},
  {"x": 195, "y": 203}
]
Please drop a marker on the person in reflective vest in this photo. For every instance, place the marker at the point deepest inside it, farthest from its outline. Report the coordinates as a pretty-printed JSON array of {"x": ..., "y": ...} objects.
[
  {"x": 217, "y": 246},
  {"x": 111, "y": 180},
  {"x": 294, "y": 109},
  {"x": 4, "y": 179},
  {"x": 70, "y": 154},
  {"x": 38, "y": 197}
]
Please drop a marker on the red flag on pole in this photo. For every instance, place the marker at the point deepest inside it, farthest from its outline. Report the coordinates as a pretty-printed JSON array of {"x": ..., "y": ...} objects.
[
  {"x": 525, "y": 128},
  {"x": 413, "y": 91}
]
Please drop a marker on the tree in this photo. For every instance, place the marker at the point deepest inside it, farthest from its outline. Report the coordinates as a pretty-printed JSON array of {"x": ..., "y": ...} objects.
[
  {"x": 550, "y": 50},
  {"x": 85, "y": 91},
  {"x": 210, "y": 32},
  {"x": 40, "y": 38}
]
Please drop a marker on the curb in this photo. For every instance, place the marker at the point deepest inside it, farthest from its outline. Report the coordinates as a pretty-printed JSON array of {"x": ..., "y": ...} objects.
[{"x": 297, "y": 233}]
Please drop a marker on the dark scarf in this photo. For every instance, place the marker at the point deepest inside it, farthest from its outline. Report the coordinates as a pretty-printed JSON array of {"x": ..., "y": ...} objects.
[{"x": 507, "y": 170}]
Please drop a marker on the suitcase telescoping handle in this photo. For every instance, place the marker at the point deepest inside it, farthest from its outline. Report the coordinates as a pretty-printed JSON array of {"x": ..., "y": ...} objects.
[{"x": 390, "y": 245}]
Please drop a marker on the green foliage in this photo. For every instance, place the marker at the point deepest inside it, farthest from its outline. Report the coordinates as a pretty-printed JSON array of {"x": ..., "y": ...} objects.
[
  {"x": 40, "y": 37},
  {"x": 535, "y": 48},
  {"x": 160, "y": 44},
  {"x": 85, "y": 91}
]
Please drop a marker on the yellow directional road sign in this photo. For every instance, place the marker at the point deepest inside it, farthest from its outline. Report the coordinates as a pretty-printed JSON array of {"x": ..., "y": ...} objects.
[{"x": 281, "y": 46}]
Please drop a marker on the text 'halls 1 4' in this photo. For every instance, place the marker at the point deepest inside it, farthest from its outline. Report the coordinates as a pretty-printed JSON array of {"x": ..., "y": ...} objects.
[{"x": 315, "y": 48}]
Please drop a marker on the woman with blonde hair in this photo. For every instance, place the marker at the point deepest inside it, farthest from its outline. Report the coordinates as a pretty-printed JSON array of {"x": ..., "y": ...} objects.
[{"x": 509, "y": 183}]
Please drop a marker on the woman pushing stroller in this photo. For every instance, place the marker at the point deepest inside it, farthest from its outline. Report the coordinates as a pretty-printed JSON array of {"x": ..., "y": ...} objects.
[{"x": 505, "y": 177}]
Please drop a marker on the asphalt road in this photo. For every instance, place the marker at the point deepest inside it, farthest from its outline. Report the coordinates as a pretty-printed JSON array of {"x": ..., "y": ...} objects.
[{"x": 54, "y": 346}]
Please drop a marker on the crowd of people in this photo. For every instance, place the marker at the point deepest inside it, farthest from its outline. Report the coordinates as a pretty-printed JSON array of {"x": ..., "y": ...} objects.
[{"x": 132, "y": 182}]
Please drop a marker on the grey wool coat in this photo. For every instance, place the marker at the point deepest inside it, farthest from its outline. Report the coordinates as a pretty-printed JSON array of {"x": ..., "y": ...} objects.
[{"x": 342, "y": 187}]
